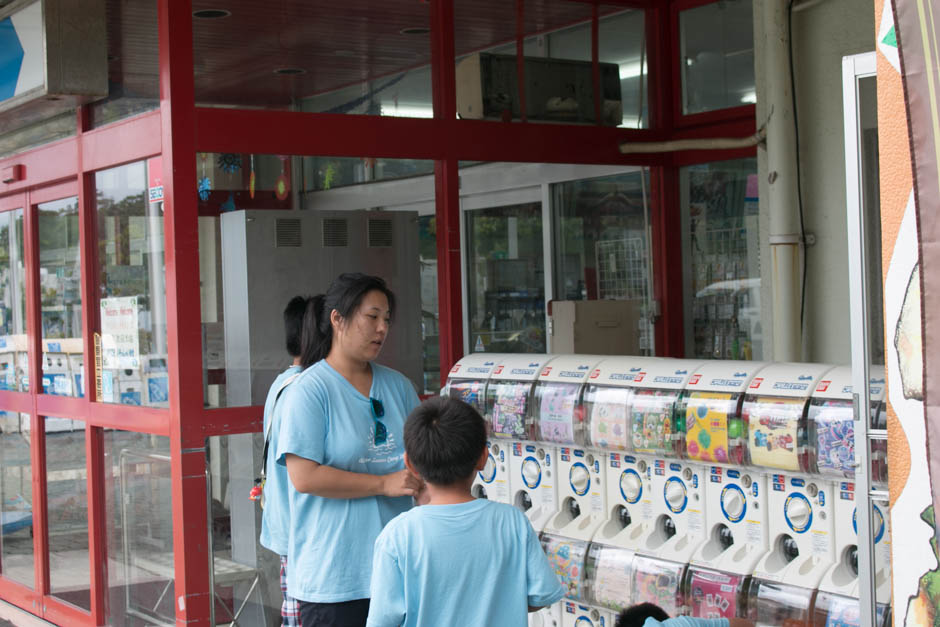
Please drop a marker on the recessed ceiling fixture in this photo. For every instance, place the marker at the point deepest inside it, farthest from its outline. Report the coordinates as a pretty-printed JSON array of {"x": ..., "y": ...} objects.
[
  {"x": 415, "y": 30},
  {"x": 290, "y": 70},
  {"x": 211, "y": 14}
]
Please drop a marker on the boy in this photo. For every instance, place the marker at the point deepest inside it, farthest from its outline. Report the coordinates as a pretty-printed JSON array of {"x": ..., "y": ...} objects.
[
  {"x": 456, "y": 560},
  {"x": 650, "y": 615},
  {"x": 276, "y": 515}
]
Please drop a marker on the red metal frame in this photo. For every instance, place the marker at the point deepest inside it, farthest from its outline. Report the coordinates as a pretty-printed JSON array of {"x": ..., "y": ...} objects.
[
  {"x": 180, "y": 129},
  {"x": 193, "y": 597}
]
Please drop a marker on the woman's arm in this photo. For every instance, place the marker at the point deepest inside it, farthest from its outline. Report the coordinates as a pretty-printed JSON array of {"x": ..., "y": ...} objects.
[{"x": 309, "y": 477}]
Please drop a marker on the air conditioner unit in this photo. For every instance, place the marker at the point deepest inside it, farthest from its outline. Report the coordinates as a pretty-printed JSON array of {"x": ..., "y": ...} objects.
[{"x": 556, "y": 90}]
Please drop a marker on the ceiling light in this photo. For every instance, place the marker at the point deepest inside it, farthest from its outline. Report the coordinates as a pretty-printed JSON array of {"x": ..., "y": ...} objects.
[
  {"x": 632, "y": 70},
  {"x": 415, "y": 30},
  {"x": 290, "y": 70},
  {"x": 211, "y": 14},
  {"x": 749, "y": 97}
]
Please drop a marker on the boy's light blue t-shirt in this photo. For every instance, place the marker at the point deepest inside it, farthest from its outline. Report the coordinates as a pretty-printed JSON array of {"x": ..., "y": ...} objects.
[
  {"x": 275, "y": 517},
  {"x": 326, "y": 420},
  {"x": 474, "y": 563},
  {"x": 686, "y": 621}
]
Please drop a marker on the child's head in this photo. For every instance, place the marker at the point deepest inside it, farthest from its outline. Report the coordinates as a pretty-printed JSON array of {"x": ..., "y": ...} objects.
[
  {"x": 445, "y": 440},
  {"x": 636, "y": 615}
]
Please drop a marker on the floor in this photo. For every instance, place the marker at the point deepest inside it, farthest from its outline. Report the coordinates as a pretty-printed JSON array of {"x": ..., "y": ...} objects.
[{"x": 11, "y": 615}]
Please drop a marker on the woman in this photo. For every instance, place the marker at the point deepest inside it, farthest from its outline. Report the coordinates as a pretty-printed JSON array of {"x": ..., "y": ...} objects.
[{"x": 342, "y": 444}]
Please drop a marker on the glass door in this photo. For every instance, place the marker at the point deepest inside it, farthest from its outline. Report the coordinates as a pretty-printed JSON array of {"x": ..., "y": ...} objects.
[{"x": 505, "y": 270}]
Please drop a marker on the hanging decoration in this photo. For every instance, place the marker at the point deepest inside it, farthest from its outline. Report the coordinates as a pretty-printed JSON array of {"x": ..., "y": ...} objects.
[
  {"x": 251, "y": 178},
  {"x": 204, "y": 184},
  {"x": 229, "y": 162},
  {"x": 229, "y": 204},
  {"x": 282, "y": 184}
]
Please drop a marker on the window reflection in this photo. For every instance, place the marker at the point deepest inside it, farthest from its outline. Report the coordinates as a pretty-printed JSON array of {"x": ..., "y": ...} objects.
[
  {"x": 16, "y": 495},
  {"x": 506, "y": 279},
  {"x": 67, "y": 502},
  {"x": 601, "y": 235},
  {"x": 14, "y": 363},
  {"x": 132, "y": 308},
  {"x": 60, "y": 298}
]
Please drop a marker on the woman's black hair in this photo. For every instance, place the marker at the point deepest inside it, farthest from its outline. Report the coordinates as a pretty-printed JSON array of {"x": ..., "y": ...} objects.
[
  {"x": 345, "y": 295},
  {"x": 293, "y": 324}
]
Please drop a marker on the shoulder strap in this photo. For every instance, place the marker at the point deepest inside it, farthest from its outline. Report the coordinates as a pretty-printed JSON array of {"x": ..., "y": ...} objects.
[{"x": 267, "y": 432}]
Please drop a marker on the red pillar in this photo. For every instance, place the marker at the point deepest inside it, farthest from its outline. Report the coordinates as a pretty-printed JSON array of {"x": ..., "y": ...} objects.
[
  {"x": 193, "y": 596},
  {"x": 446, "y": 190}
]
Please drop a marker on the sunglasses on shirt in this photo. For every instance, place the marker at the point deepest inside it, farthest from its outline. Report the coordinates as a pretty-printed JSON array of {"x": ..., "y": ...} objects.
[{"x": 378, "y": 411}]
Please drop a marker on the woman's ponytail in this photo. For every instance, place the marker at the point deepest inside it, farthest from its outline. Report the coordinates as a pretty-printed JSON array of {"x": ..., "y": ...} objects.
[{"x": 316, "y": 338}]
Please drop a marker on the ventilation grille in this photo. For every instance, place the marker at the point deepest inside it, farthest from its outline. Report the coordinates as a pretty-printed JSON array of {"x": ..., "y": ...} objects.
[
  {"x": 287, "y": 233},
  {"x": 380, "y": 233},
  {"x": 335, "y": 232}
]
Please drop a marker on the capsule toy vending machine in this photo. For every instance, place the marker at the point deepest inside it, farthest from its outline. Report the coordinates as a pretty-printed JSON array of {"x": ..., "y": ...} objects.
[
  {"x": 508, "y": 400},
  {"x": 831, "y": 422},
  {"x": 801, "y": 513},
  {"x": 582, "y": 495},
  {"x": 568, "y": 558},
  {"x": 736, "y": 525},
  {"x": 607, "y": 403},
  {"x": 678, "y": 487},
  {"x": 609, "y": 574},
  {"x": 467, "y": 382},
  {"x": 659, "y": 582}
]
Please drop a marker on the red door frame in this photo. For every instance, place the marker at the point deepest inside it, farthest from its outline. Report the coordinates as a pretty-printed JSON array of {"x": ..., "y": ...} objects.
[{"x": 180, "y": 129}]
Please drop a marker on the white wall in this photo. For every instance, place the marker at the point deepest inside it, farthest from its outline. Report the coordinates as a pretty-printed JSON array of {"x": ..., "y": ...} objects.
[{"x": 823, "y": 33}]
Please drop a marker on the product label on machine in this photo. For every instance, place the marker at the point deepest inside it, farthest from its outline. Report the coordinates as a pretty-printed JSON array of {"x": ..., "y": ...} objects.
[
  {"x": 660, "y": 467},
  {"x": 733, "y": 474},
  {"x": 696, "y": 521},
  {"x": 557, "y": 407},
  {"x": 727, "y": 383},
  {"x": 675, "y": 467},
  {"x": 773, "y": 427},
  {"x": 780, "y": 483},
  {"x": 821, "y": 542},
  {"x": 622, "y": 376},
  {"x": 597, "y": 503},
  {"x": 522, "y": 371},
  {"x": 753, "y": 531},
  {"x": 787, "y": 385},
  {"x": 615, "y": 460},
  {"x": 672, "y": 380},
  {"x": 847, "y": 491}
]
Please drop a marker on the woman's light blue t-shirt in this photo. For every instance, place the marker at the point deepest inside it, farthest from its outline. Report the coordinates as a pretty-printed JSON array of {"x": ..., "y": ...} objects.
[
  {"x": 275, "y": 517},
  {"x": 327, "y": 420},
  {"x": 474, "y": 563}
]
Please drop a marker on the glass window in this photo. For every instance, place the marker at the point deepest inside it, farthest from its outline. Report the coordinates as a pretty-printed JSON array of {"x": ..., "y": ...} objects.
[
  {"x": 871, "y": 199},
  {"x": 133, "y": 62},
  {"x": 16, "y": 494},
  {"x": 721, "y": 260},
  {"x": 622, "y": 54},
  {"x": 67, "y": 502},
  {"x": 35, "y": 135},
  {"x": 339, "y": 62},
  {"x": 60, "y": 298},
  {"x": 602, "y": 245},
  {"x": 259, "y": 238},
  {"x": 717, "y": 56},
  {"x": 14, "y": 363},
  {"x": 132, "y": 308},
  {"x": 138, "y": 499},
  {"x": 506, "y": 279},
  {"x": 430, "y": 330},
  {"x": 323, "y": 173}
]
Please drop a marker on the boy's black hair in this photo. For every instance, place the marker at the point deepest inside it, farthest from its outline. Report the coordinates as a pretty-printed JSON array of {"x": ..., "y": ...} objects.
[
  {"x": 444, "y": 438},
  {"x": 636, "y": 615},
  {"x": 294, "y": 324}
]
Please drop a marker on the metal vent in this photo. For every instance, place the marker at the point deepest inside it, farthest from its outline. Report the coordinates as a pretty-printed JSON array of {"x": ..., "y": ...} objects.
[
  {"x": 287, "y": 233},
  {"x": 380, "y": 233},
  {"x": 335, "y": 232}
]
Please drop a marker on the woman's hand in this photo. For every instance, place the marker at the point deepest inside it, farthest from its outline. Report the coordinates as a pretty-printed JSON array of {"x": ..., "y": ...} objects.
[{"x": 401, "y": 483}]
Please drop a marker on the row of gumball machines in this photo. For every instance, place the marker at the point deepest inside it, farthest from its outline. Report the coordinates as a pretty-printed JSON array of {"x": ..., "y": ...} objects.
[{"x": 723, "y": 488}]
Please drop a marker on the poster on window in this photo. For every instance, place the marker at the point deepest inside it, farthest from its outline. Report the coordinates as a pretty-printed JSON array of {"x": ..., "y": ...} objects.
[{"x": 120, "y": 338}]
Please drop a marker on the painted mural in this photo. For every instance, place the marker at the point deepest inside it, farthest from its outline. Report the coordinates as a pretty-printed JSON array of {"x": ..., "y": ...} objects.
[{"x": 909, "y": 146}]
